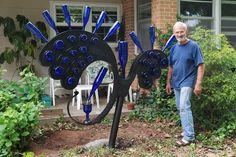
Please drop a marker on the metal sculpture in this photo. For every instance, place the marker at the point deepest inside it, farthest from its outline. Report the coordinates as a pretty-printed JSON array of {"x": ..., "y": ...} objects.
[{"x": 69, "y": 53}]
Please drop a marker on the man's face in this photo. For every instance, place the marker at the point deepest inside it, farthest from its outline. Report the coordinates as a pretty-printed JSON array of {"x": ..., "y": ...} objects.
[{"x": 180, "y": 34}]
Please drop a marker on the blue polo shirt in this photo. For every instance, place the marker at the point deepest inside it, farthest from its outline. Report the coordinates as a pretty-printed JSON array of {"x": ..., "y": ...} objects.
[{"x": 184, "y": 59}]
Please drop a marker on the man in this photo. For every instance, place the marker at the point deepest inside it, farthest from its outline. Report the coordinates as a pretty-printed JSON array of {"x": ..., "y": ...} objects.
[{"x": 185, "y": 74}]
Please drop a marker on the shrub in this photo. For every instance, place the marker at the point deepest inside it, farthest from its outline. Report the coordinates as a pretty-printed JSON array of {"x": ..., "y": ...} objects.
[
  {"x": 216, "y": 108},
  {"x": 19, "y": 112},
  {"x": 16, "y": 126}
]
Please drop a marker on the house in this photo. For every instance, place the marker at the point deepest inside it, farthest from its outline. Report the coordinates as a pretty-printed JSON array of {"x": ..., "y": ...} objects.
[{"x": 137, "y": 15}]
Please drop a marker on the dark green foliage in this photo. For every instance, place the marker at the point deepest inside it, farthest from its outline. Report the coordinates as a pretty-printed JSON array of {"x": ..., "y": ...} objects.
[
  {"x": 148, "y": 109},
  {"x": 215, "y": 110},
  {"x": 19, "y": 112},
  {"x": 23, "y": 42}
]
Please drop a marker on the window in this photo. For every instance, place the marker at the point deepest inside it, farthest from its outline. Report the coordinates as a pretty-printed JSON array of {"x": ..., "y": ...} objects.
[
  {"x": 228, "y": 20},
  {"x": 196, "y": 13},
  {"x": 196, "y": 8},
  {"x": 143, "y": 22},
  {"x": 111, "y": 18},
  {"x": 76, "y": 12},
  {"x": 206, "y": 13},
  {"x": 144, "y": 9}
]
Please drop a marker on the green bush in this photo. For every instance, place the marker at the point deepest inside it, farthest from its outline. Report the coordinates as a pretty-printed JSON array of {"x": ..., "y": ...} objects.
[
  {"x": 16, "y": 126},
  {"x": 19, "y": 112},
  {"x": 215, "y": 110}
]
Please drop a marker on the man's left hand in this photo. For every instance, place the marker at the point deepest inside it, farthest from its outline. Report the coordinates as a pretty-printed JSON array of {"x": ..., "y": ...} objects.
[{"x": 197, "y": 90}]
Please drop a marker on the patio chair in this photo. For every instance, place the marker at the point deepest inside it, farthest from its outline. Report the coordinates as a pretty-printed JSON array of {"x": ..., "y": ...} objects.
[
  {"x": 87, "y": 88},
  {"x": 55, "y": 85},
  {"x": 92, "y": 71}
]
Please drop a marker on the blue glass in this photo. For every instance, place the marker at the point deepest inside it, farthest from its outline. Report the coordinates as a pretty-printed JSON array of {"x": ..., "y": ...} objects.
[
  {"x": 157, "y": 56},
  {"x": 81, "y": 63},
  {"x": 156, "y": 72},
  {"x": 152, "y": 35},
  {"x": 136, "y": 40},
  {"x": 34, "y": 30},
  {"x": 50, "y": 21},
  {"x": 59, "y": 71},
  {"x": 89, "y": 58},
  {"x": 151, "y": 64},
  {"x": 70, "y": 81},
  {"x": 98, "y": 81},
  {"x": 87, "y": 108},
  {"x": 83, "y": 37},
  {"x": 144, "y": 74},
  {"x": 67, "y": 17},
  {"x": 94, "y": 40},
  {"x": 83, "y": 49},
  {"x": 145, "y": 62},
  {"x": 49, "y": 56},
  {"x": 100, "y": 21},
  {"x": 151, "y": 54},
  {"x": 71, "y": 38},
  {"x": 169, "y": 42},
  {"x": 147, "y": 82},
  {"x": 75, "y": 71},
  {"x": 73, "y": 52},
  {"x": 66, "y": 60},
  {"x": 112, "y": 30},
  {"x": 58, "y": 45},
  {"x": 123, "y": 54},
  {"x": 86, "y": 15},
  {"x": 164, "y": 63}
]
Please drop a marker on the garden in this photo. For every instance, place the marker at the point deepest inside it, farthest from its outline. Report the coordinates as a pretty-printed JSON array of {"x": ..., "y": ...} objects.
[{"x": 149, "y": 130}]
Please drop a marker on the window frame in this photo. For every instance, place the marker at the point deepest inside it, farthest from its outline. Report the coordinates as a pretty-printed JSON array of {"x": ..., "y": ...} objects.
[
  {"x": 216, "y": 18},
  {"x": 228, "y": 18},
  {"x": 198, "y": 17},
  {"x": 90, "y": 24}
]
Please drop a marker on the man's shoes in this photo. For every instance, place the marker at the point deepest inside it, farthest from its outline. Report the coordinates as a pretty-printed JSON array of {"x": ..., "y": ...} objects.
[
  {"x": 180, "y": 135},
  {"x": 182, "y": 142}
]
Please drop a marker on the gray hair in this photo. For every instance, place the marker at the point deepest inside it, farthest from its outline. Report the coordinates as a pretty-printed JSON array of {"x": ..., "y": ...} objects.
[{"x": 180, "y": 24}]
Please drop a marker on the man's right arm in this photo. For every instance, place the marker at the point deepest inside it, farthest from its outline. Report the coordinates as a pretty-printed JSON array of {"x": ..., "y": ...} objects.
[{"x": 168, "y": 84}]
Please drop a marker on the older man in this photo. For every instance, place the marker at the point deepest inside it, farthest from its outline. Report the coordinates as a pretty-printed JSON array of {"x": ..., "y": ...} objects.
[{"x": 185, "y": 74}]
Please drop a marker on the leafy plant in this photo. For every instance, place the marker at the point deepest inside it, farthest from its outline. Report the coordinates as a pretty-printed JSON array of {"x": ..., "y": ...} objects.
[
  {"x": 216, "y": 108},
  {"x": 23, "y": 43},
  {"x": 19, "y": 112},
  {"x": 29, "y": 89}
]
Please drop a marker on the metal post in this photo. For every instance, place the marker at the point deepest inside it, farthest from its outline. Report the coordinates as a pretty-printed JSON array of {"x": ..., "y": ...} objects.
[{"x": 116, "y": 121}]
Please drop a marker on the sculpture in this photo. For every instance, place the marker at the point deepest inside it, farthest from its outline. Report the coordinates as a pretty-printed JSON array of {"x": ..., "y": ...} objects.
[{"x": 69, "y": 53}]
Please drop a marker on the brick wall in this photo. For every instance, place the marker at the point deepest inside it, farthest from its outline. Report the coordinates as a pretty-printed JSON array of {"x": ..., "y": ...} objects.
[
  {"x": 128, "y": 16},
  {"x": 164, "y": 12}
]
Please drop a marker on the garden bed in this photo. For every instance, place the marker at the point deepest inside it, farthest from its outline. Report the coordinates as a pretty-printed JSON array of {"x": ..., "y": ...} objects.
[{"x": 135, "y": 138}]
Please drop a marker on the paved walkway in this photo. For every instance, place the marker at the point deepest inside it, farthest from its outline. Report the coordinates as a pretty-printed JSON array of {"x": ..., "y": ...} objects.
[{"x": 60, "y": 110}]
